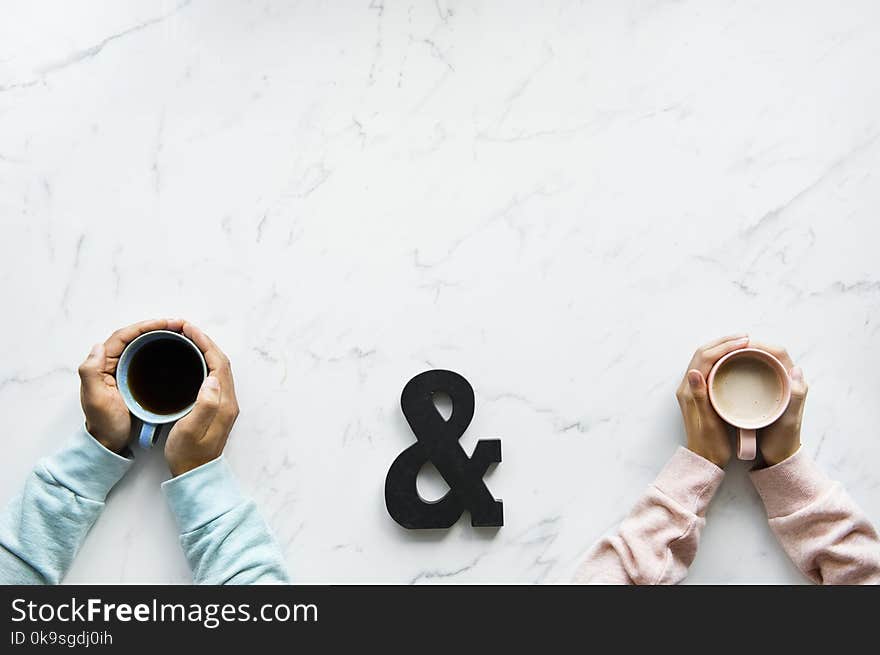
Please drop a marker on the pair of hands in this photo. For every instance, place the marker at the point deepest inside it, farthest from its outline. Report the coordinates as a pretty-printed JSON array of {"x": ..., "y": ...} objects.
[
  {"x": 708, "y": 435},
  {"x": 198, "y": 437}
]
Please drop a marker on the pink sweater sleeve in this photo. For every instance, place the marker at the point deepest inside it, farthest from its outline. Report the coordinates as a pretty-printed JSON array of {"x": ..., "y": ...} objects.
[
  {"x": 657, "y": 542},
  {"x": 820, "y": 527}
]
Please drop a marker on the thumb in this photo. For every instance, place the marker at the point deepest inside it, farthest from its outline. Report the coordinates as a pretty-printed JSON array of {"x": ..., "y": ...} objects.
[
  {"x": 697, "y": 385},
  {"x": 798, "y": 389},
  {"x": 197, "y": 422},
  {"x": 91, "y": 371}
]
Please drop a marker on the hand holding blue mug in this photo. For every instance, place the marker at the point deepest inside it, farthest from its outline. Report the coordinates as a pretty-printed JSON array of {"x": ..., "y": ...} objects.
[
  {"x": 200, "y": 436},
  {"x": 107, "y": 417}
]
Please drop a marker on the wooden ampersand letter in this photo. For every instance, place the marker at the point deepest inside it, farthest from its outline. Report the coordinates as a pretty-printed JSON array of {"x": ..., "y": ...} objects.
[{"x": 437, "y": 442}]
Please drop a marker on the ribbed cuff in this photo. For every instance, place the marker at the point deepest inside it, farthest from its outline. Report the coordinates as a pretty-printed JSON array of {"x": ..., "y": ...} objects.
[
  {"x": 790, "y": 485},
  {"x": 690, "y": 479},
  {"x": 199, "y": 496},
  {"x": 87, "y": 468}
]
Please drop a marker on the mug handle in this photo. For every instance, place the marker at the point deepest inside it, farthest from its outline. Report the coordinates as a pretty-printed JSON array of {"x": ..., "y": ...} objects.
[
  {"x": 746, "y": 443},
  {"x": 148, "y": 435}
]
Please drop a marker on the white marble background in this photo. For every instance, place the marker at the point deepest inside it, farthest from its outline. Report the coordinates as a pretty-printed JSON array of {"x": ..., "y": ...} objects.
[{"x": 559, "y": 200}]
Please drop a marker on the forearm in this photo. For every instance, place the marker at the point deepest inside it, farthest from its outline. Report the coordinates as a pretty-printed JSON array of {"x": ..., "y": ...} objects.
[
  {"x": 821, "y": 528},
  {"x": 657, "y": 542},
  {"x": 43, "y": 527},
  {"x": 223, "y": 536}
]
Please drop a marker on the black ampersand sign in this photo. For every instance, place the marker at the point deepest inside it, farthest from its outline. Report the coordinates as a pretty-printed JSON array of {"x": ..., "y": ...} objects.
[{"x": 437, "y": 442}]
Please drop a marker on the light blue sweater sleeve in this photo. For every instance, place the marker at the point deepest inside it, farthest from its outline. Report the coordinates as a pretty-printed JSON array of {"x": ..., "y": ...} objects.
[
  {"x": 224, "y": 538},
  {"x": 41, "y": 530},
  {"x": 44, "y": 526}
]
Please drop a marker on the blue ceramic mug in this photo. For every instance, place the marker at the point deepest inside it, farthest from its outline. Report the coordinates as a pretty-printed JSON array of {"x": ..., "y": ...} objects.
[{"x": 151, "y": 420}]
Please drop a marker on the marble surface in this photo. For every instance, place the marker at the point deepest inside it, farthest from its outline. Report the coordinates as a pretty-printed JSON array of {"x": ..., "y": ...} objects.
[{"x": 558, "y": 200}]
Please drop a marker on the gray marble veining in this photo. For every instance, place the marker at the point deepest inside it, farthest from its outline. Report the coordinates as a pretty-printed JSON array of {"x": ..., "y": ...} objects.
[{"x": 559, "y": 200}]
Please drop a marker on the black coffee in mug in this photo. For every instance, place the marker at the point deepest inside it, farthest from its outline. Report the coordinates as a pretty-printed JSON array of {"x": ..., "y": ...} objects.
[{"x": 165, "y": 375}]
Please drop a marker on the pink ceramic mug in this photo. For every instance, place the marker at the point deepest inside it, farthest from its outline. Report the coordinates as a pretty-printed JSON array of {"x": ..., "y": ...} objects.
[{"x": 746, "y": 428}]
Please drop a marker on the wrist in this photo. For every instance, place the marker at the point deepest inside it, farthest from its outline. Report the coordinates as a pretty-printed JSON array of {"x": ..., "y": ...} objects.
[
  {"x": 179, "y": 467},
  {"x": 112, "y": 445},
  {"x": 776, "y": 455},
  {"x": 717, "y": 456}
]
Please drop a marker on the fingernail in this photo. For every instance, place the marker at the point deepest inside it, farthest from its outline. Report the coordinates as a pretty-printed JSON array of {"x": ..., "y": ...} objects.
[
  {"x": 797, "y": 373},
  {"x": 211, "y": 383},
  {"x": 694, "y": 379}
]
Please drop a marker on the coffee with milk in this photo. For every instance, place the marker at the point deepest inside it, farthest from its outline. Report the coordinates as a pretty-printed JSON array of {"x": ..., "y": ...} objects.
[{"x": 748, "y": 390}]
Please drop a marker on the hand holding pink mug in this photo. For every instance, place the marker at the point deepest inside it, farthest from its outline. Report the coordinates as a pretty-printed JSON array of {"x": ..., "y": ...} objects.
[
  {"x": 749, "y": 389},
  {"x": 707, "y": 434}
]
